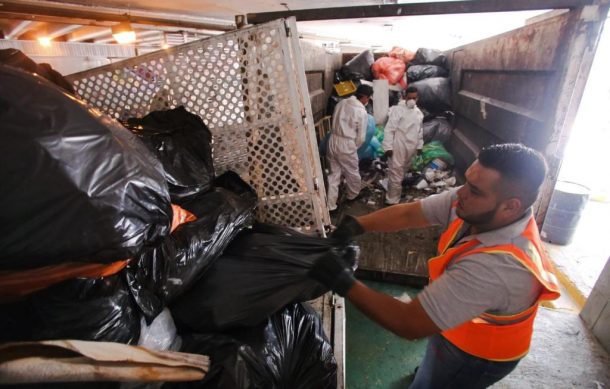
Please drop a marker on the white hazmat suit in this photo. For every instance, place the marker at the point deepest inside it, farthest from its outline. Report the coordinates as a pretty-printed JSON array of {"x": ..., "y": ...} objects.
[
  {"x": 403, "y": 134},
  {"x": 350, "y": 121}
]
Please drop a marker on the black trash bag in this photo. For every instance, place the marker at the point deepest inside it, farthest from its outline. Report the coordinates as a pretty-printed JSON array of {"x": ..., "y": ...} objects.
[
  {"x": 172, "y": 266},
  {"x": 99, "y": 309},
  {"x": 233, "y": 364},
  {"x": 297, "y": 351},
  {"x": 360, "y": 65},
  {"x": 199, "y": 205},
  {"x": 411, "y": 179},
  {"x": 76, "y": 186},
  {"x": 260, "y": 272},
  {"x": 438, "y": 129},
  {"x": 434, "y": 94},
  {"x": 289, "y": 350},
  {"x": 394, "y": 98},
  {"x": 16, "y": 59},
  {"x": 430, "y": 57},
  {"x": 420, "y": 72},
  {"x": 182, "y": 142}
]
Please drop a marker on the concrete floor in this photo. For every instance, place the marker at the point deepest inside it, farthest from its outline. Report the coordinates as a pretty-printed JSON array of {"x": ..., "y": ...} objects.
[
  {"x": 563, "y": 354},
  {"x": 584, "y": 258}
]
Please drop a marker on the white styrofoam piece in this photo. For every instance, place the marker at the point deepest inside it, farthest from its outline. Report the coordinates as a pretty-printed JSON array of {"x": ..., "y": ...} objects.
[{"x": 381, "y": 100}]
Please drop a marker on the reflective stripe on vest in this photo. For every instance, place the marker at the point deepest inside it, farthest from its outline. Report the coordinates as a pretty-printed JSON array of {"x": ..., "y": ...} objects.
[{"x": 497, "y": 337}]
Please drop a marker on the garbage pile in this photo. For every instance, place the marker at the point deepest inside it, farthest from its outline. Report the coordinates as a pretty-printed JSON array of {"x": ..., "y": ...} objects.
[
  {"x": 427, "y": 70},
  {"x": 110, "y": 231}
]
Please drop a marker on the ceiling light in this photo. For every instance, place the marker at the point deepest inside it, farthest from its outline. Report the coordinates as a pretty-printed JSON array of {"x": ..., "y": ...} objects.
[
  {"x": 123, "y": 33},
  {"x": 44, "y": 41}
]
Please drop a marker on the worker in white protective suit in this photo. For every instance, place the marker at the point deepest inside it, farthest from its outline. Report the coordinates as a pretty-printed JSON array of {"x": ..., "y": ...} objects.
[
  {"x": 350, "y": 121},
  {"x": 402, "y": 139}
]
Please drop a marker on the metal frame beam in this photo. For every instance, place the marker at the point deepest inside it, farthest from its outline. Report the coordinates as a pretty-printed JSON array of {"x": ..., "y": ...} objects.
[
  {"x": 86, "y": 15},
  {"x": 416, "y": 9}
]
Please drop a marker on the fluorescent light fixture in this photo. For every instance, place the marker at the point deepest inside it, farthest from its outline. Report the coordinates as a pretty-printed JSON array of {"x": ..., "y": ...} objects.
[
  {"x": 44, "y": 41},
  {"x": 123, "y": 33}
]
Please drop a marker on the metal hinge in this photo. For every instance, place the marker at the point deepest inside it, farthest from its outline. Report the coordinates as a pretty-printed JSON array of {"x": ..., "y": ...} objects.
[{"x": 288, "y": 32}]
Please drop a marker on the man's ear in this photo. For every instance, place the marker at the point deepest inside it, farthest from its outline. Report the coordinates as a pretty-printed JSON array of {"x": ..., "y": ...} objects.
[{"x": 512, "y": 206}]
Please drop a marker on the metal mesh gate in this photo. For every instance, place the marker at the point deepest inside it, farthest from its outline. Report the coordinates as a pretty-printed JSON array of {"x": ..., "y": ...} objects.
[{"x": 249, "y": 87}]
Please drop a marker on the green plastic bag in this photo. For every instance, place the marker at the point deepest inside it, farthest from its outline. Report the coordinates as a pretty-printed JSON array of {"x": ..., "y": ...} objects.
[{"x": 431, "y": 151}]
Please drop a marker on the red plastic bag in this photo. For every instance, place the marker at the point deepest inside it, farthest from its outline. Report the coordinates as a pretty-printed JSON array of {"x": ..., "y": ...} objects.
[
  {"x": 391, "y": 69},
  {"x": 402, "y": 54}
]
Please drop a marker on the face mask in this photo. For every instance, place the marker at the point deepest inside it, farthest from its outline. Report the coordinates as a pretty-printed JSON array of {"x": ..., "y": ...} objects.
[{"x": 411, "y": 103}]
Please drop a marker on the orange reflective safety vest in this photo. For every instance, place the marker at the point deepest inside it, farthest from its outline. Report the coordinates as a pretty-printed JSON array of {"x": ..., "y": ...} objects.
[{"x": 495, "y": 337}]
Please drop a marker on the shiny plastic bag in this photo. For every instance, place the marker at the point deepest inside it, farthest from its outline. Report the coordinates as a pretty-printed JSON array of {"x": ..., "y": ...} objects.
[
  {"x": 160, "y": 334},
  {"x": 170, "y": 267},
  {"x": 420, "y": 72},
  {"x": 260, "y": 272},
  {"x": 289, "y": 350},
  {"x": 438, "y": 129},
  {"x": 100, "y": 309},
  {"x": 434, "y": 94},
  {"x": 391, "y": 69},
  {"x": 431, "y": 151},
  {"x": 182, "y": 142},
  {"x": 401, "y": 53},
  {"x": 359, "y": 65},
  {"x": 425, "y": 56},
  {"x": 76, "y": 185},
  {"x": 16, "y": 59}
]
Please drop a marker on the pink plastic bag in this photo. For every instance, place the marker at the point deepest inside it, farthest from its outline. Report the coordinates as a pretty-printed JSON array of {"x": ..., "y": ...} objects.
[
  {"x": 391, "y": 69},
  {"x": 402, "y": 54}
]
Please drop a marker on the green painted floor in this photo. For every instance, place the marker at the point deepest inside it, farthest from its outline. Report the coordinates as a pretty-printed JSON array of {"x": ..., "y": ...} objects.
[{"x": 376, "y": 358}]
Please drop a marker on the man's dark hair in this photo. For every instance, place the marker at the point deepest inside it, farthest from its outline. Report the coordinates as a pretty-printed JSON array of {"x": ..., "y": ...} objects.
[
  {"x": 410, "y": 89},
  {"x": 523, "y": 169},
  {"x": 364, "y": 90}
]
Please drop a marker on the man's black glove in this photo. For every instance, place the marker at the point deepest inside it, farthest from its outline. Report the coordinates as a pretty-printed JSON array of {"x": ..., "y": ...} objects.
[
  {"x": 334, "y": 273},
  {"x": 347, "y": 230}
]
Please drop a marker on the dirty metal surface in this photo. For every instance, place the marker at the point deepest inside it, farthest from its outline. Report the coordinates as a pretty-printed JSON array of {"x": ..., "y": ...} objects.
[
  {"x": 400, "y": 257},
  {"x": 524, "y": 86}
]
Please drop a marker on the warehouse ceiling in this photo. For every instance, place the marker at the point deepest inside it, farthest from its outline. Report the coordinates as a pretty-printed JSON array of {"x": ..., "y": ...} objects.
[
  {"x": 156, "y": 23},
  {"x": 160, "y": 24}
]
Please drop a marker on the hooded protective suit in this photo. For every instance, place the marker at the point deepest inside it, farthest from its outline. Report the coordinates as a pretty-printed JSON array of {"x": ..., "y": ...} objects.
[
  {"x": 350, "y": 121},
  {"x": 403, "y": 134}
]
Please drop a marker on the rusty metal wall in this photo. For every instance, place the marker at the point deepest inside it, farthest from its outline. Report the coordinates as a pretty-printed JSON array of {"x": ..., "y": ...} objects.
[{"x": 524, "y": 86}]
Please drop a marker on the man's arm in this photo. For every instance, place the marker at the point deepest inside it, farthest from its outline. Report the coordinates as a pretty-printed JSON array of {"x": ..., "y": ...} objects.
[
  {"x": 363, "y": 123},
  {"x": 407, "y": 320},
  {"x": 394, "y": 218},
  {"x": 420, "y": 136},
  {"x": 389, "y": 130}
]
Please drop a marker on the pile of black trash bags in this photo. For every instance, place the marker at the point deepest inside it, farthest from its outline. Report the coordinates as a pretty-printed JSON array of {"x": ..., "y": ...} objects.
[
  {"x": 429, "y": 73},
  {"x": 80, "y": 191}
]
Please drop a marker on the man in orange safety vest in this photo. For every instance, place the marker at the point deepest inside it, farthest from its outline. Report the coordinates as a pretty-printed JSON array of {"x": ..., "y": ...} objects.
[{"x": 490, "y": 274}]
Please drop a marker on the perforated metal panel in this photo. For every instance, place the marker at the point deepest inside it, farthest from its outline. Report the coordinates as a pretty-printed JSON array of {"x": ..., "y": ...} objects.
[{"x": 249, "y": 87}]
